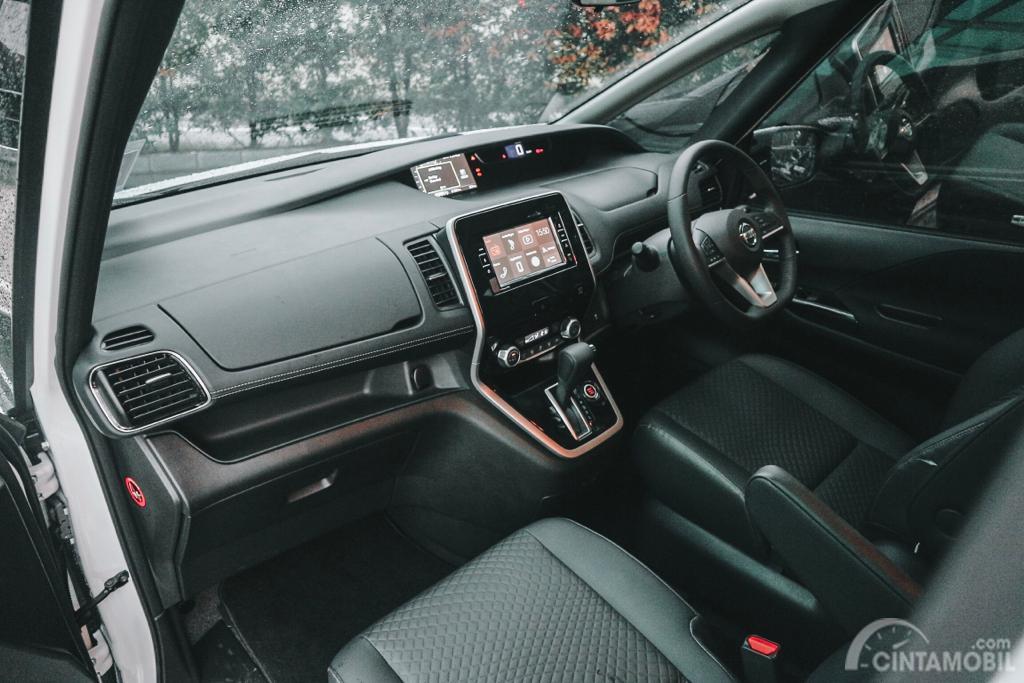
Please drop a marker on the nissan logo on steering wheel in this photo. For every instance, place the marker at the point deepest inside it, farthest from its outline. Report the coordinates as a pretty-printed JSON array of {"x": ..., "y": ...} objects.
[{"x": 748, "y": 233}]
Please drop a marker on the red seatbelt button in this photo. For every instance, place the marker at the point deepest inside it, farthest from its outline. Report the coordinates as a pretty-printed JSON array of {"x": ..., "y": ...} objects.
[
  {"x": 760, "y": 660},
  {"x": 762, "y": 646}
]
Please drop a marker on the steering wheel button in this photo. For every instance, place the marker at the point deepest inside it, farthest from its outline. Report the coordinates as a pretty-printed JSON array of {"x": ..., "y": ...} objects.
[{"x": 711, "y": 253}]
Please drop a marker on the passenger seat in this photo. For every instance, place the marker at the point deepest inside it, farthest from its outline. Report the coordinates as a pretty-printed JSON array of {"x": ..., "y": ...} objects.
[{"x": 554, "y": 601}]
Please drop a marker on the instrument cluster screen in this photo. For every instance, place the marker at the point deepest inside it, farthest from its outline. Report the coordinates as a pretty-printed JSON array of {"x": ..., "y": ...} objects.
[
  {"x": 523, "y": 251},
  {"x": 445, "y": 176}
]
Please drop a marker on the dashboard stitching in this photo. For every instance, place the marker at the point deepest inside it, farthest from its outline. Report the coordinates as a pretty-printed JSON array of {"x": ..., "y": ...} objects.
[{"x": 253, "y": 384}]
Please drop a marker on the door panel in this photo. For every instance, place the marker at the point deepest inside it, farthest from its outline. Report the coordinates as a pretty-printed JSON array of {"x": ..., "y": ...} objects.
[
  {"x": 908, "y": 201},
  {"x": 34, "y": 594},
  {"x": 928, "y": 298},
  {"x": 896, "y": 317}
]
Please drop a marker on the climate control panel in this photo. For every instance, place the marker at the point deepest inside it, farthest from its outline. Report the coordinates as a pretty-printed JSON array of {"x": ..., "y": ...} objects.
[{"x": 536, "y": 342}]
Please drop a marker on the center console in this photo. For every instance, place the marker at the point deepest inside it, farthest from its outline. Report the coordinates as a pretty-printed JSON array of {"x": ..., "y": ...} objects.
[{"x": 528, "y": 282}]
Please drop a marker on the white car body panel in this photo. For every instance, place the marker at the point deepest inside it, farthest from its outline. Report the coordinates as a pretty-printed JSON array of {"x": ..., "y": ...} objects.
[{"x": 99, "y": 548}]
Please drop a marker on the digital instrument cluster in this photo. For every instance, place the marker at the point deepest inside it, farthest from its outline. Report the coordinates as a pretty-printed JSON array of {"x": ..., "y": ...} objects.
[
  {"x": 445, "y": 176},
  {"x": 485, "y": 168}
]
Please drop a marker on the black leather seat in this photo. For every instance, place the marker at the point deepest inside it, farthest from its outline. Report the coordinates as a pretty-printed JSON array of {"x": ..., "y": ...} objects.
[
  {"x": 697, "y": 449},
  {"x": 554, "y": 601}
]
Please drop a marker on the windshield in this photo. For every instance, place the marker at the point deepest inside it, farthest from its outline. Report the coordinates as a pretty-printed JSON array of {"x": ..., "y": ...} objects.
[{"x": 246, "y": 84}]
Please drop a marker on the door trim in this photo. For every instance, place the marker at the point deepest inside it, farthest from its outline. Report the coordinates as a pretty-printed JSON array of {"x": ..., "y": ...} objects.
[{"x": 101, "y": 555}]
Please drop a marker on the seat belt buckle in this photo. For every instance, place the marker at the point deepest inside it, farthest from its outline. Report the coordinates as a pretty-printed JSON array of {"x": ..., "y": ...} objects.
[{"x": 760, "y": 659}]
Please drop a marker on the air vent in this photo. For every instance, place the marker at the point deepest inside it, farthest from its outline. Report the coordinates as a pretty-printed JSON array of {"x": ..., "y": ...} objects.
[
  {"x": 435, "y": 273},
  {"x": 146, "y": 390},
  {"x": 588, "y": 242},
  {"x": 129, "y": 336}
]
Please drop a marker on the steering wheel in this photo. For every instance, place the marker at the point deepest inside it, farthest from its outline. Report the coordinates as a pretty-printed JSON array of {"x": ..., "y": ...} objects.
[
  {"x": 891, "y": 109},
  {"x": 727, "y": 245}
]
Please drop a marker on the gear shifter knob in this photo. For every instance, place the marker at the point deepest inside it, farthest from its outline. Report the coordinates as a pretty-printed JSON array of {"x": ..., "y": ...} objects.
[{"x": 574, "y": 362}]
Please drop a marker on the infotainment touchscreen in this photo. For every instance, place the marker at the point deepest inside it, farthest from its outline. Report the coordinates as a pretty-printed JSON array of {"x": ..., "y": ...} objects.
[
  {"x": 445, "y": 176},
  {"x": 523, "y": 251}
]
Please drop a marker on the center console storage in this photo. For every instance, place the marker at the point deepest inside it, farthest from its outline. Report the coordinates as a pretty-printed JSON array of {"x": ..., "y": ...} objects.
[{"x": 528, "y": 283}]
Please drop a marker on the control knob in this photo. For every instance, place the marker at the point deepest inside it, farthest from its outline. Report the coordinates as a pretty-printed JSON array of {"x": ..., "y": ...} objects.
[
  {"x": 570, "y": 328},
  {"x": 508, "y": 356}
]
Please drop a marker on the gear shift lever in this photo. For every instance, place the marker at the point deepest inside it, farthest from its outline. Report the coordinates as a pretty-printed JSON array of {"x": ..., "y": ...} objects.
[{"x": 574, "y": 362}]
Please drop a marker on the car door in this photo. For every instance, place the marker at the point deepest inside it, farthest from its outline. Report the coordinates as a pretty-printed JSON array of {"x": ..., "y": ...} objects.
[
  {"x": 41, "y": 637},
  {"x": 898, "y": 157}
]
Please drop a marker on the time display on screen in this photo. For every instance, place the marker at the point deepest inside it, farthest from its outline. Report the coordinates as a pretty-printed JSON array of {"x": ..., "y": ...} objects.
[
  {"x": 446, "y": 176},
  {"x": 523, "y": 251}
]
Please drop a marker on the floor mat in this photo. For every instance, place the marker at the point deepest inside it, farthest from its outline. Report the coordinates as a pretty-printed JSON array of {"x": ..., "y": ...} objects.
[
  {"x": 222, "y": 659},
  {"x": 296, "y": 611}
]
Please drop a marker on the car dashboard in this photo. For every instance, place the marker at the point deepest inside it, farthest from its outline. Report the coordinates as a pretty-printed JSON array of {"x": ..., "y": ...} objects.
[
  {"x": 271, "y": 352},
  {"x": 263, "y": 281}
]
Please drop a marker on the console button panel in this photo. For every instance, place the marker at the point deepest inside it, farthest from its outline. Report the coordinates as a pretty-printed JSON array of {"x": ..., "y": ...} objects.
[{"x": 523, "y": 322}]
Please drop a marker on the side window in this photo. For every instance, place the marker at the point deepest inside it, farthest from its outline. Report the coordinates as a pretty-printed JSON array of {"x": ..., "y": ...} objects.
[
  {"x": 916, "y": 120},
  {"x": 667, "y": 119},
  {"x": 13, "y": 40}
]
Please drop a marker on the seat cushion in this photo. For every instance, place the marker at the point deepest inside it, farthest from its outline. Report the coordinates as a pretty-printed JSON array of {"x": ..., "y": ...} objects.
[
  {"x": 697, "y": 448},
  {"x": 552, "y": 602}
]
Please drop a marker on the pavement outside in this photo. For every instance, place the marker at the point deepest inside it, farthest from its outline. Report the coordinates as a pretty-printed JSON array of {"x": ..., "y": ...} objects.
[{"x": 8, "y": 197}]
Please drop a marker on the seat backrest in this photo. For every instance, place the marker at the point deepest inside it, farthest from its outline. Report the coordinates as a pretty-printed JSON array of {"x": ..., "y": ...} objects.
[
  {"x": 927, "y": 494},
  {"x": 997, "y": 375}
]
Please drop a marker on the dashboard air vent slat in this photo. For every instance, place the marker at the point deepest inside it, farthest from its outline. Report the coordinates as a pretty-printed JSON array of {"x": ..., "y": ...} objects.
[
  {"x": 126, "y": 337},
  {"x": 148, "y": 389},
  {"x": 588, "y": 242},
  {"x": 435, "y": 273}
]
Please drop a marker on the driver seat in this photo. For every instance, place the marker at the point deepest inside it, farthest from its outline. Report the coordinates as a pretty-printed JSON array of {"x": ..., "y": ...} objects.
[{"x": 697, "y": 449}]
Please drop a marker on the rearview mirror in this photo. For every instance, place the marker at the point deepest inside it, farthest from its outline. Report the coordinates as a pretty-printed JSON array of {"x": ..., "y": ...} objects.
[
  {"x": 793, "y": 152},
  {"x": 604, "y": 3}
]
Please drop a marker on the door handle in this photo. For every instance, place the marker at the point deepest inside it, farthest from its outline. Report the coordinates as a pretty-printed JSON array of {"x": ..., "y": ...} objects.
[
  {"x": 316, "y": 487},
  {"x": 908, "y": 316},
  {"x": 825, "y": 308}
]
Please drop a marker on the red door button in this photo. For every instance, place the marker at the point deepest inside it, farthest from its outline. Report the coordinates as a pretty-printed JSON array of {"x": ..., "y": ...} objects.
[{"x": 135, "y": 492}]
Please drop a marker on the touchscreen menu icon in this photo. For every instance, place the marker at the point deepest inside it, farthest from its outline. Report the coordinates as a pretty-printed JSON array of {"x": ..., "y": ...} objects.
[{"x": 523, "y": 251}]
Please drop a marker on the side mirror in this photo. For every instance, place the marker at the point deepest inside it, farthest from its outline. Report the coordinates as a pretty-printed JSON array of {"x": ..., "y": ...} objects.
[
  {"x": 793, "y": 152},
  {"x": 603, "y": 3}
]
